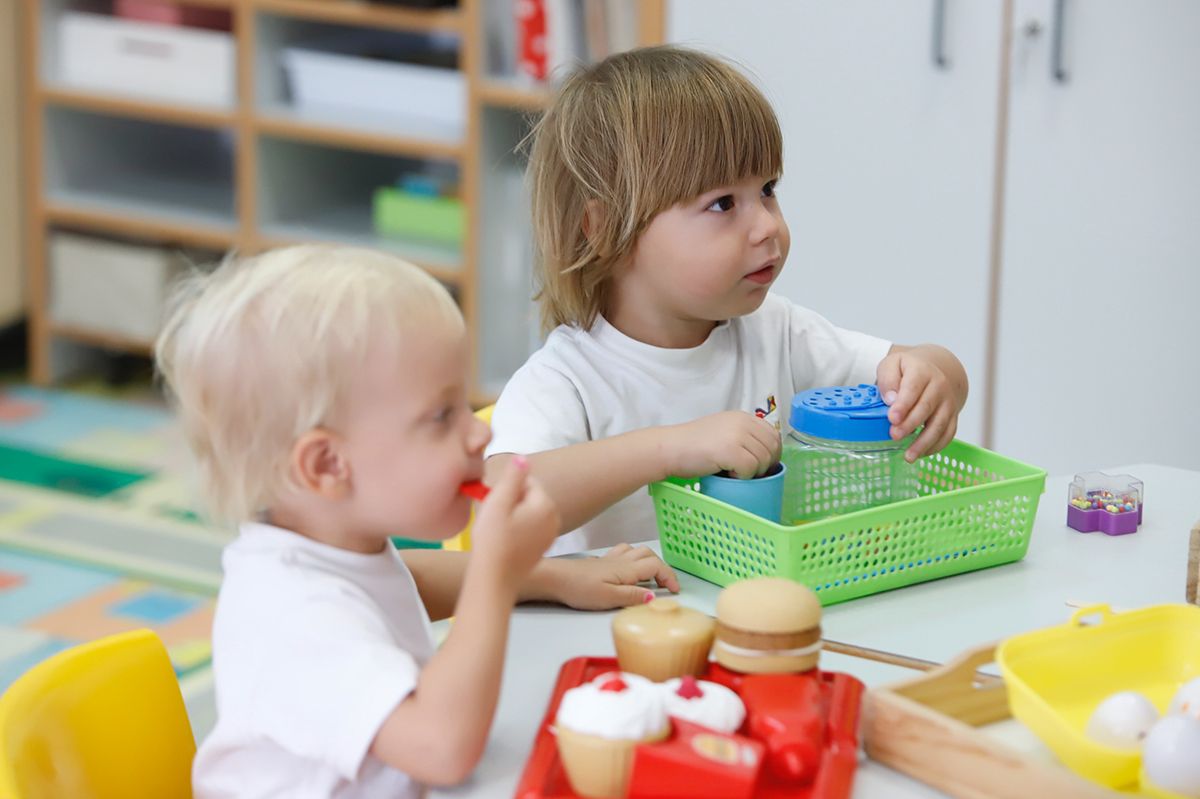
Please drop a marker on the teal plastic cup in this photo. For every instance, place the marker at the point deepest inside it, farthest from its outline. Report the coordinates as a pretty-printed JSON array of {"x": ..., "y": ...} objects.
[{"x": 762, "y": 496}]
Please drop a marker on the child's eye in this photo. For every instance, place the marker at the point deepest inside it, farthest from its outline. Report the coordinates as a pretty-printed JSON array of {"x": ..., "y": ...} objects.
[
  {"x": 768, "y": 188},
  {"x": 444, "y": 414},
  {"x": 722, "y": 203}
]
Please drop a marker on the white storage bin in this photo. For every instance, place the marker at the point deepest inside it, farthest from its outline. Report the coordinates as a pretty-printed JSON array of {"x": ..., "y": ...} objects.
[
  {"x": 186, "y": 65},
  {"x": 421, "y": 100},
  {"x": 110, "y": 287}
]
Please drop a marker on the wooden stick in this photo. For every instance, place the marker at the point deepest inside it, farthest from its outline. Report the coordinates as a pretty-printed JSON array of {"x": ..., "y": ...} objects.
[
  {"x": 1193, "y": 569},
  {"x": 891, "y": 658}
]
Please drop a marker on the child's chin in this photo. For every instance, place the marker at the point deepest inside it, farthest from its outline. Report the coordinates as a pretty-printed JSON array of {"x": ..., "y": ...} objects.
[{"x": 457, "y": 520}]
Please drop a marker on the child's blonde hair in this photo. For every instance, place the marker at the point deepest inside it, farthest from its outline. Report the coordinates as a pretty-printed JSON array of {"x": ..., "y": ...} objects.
[
  {"x": 624, "y": 140},
  {"x": 263, "y": 349}
]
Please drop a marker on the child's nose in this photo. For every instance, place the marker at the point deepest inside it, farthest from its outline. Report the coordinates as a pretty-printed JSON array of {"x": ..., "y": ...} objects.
[
  {"x": 479, "y": 435},
  {"x": 766, "y": 224}
]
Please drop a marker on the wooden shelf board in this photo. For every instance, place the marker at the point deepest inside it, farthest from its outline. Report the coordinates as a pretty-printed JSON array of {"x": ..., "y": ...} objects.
[
  {"x": 355, "y": 12},
  {"x": 109, "y": 341},
  {"x": 137, "y": 107},
  {"x": 513, "y": 94},
  {"x": 134, "y": 226},
  {"x": 442, "y": 263},
  {"x": 286, "y": 124}
]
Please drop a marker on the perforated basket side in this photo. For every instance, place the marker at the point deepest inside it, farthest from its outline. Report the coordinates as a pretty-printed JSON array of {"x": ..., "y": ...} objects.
[{"x": 975, "y": 509}]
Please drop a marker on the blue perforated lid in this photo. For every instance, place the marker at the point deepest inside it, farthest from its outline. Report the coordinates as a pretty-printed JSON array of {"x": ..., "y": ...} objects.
[{"x": 841, "y": 413}]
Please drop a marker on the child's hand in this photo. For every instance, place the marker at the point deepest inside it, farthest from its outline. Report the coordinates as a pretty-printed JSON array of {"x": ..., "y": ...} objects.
[
  {"x": 516, "y": 523},
  {"x": 610, "y": 581},
  {"x": 924, "y": 385},
  {"x": 733, "y": 441}
]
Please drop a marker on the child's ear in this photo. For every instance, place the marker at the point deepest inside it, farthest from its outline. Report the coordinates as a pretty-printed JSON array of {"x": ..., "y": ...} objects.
[
  {"x": 320, "y": 465},
  {"x": 593, "y": 217}
]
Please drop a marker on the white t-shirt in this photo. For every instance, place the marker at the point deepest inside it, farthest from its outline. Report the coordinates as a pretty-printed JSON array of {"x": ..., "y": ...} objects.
[
  {"x": 313, "y": 647},
  {"x": 587, "y": 385}
]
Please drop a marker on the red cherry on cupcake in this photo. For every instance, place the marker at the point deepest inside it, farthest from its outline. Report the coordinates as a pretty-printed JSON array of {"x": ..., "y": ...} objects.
[
  {"x": 688, "y": 688},
  {"x": 616, "y": 684}
]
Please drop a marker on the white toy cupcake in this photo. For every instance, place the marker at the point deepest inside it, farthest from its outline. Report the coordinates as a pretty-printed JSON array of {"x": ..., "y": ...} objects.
[
  {"x": 598, "y": 727},
  {"x": 705, "y": 703}
]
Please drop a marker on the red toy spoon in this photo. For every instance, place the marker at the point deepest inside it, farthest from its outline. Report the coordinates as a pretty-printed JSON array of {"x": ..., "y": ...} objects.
[{"x": 475, "y": 489}]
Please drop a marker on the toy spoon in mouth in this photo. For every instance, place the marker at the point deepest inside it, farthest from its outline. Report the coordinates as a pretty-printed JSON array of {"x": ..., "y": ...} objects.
[{"x": 475, "y": 489}]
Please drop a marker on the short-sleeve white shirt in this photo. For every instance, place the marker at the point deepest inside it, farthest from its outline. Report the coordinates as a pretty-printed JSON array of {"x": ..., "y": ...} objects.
[
  {"x": 587, "y": 385},
  {"x": 313, "y": 647}
]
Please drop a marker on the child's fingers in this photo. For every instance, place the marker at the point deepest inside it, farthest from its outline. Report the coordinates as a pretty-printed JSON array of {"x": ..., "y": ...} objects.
[
  {"x": 509, "y": 489},
  {"x": 887, "y": 376},
  {"x": 912, "y": 388},
  {"x": 934, "y": 430},
  {"x": 948, "y": 436},
  {"x": 535, "y": 507},
  {"x": 622, "y": 596},
  {"x": 640, "y": 553},
  {"x": 763, "y": 456},
  {"x": 654, "y": 569},
  {"x": 618, "y": 550},
  {"x": 921, "y": 411},
  {"x": 765, "y": 433},
  {"x": 743, "y": 464}
]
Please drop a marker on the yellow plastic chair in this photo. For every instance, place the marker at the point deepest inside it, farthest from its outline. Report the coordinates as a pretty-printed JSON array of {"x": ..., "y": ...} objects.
[
  {"x": 462, "y": 541},
  {"x": 103, "y": 720}
]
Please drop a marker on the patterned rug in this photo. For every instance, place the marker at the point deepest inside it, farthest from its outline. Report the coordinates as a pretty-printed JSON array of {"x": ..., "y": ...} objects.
[{"x": 99, "y": 534}]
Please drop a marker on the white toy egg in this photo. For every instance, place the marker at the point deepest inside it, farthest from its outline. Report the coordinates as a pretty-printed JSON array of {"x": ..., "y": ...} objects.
[
  {"x": 1171, "y": 755},
  {"x": 1186, "y": 700},
  {"x": 1122, "y": 720}
]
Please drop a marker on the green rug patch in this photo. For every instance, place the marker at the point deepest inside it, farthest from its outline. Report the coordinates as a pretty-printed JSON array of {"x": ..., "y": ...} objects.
[{"x": 61, "y": 474}]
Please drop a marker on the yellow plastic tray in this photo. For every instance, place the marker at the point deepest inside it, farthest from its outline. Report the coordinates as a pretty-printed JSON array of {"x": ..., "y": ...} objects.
[{"x": 1058, "y": 675}]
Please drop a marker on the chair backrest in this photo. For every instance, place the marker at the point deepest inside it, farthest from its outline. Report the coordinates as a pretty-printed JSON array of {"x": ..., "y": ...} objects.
[{"x": 103, "y": 720}]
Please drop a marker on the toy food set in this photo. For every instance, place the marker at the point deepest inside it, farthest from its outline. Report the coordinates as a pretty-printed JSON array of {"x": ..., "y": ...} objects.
[
  {"x": 663, "y": 639},
  {"x": 857, "y": 519},
  {"x": 760, "y": 721},
  {"x": 1117, "y": 700},
  {"x": 1110, "y": 503}
]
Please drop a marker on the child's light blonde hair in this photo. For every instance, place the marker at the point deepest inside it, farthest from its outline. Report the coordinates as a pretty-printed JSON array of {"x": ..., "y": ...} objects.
[
  {"x": 263, "y": 349},
  {"x": 624, "y": 140}
]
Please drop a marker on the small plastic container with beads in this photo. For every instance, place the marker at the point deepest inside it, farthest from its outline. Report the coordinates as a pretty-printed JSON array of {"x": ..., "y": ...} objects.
[
  {"x": 1110, "y": 503},
  {"x": 840, "y": 455}
]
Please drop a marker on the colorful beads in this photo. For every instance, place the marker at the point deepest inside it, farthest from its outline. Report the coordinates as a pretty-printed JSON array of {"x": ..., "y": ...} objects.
[{"x": 1100, "y": 499}]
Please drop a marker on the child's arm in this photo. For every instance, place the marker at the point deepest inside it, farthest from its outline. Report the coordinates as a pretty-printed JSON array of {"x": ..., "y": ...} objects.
[
  {"x": 437, "y": 734},
  {"x": 602, "y": 583},
  {"x": 925, "y": 385},
  {"x": 586, "y": 479}
]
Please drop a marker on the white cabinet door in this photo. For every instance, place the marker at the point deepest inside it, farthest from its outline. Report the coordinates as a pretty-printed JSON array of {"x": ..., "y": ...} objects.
[
  {"x": 888, "y": 157},
  {"x": 1099, "y": 328}
]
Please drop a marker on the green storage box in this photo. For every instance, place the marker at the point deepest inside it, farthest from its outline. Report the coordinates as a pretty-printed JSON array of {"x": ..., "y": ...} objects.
[{"x": 400, "y": 214}]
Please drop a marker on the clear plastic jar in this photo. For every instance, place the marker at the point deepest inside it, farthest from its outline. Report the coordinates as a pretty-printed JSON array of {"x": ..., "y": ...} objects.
[{"x": 840, "y": 456}]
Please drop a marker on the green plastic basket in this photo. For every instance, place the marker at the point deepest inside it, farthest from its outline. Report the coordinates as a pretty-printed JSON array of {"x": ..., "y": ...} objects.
[{"x": 974, "y": 509}]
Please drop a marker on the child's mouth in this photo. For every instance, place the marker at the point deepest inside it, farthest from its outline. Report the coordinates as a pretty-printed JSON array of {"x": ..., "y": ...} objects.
[{"x": 762, "y": 276}]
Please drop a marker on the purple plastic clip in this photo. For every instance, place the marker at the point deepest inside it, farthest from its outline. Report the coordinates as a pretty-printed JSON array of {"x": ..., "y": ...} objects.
[{"x": 1111, "y": 504}]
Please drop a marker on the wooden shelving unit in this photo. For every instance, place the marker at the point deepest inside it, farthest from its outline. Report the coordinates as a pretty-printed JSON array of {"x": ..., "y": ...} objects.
[{"x": 263, "y": 132}]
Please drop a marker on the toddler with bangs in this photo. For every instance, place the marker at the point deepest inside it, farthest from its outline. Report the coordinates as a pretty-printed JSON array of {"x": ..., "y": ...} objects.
[
  {"x": 324, "y": 393},
  {"x": 659, "y": 232}
]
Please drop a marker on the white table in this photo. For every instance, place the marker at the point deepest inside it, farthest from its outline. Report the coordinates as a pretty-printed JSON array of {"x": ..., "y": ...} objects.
[{"x": 934, "y": 621}]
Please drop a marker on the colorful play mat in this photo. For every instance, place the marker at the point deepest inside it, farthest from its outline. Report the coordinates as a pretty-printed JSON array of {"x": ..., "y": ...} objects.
[{"x": 99, "y": 533}]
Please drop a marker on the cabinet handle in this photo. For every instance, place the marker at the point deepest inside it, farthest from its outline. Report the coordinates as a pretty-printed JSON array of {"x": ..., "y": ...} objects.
[
  {"x": 938, "y": 39},
  {"x": 1056, "y": 53}
]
